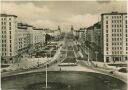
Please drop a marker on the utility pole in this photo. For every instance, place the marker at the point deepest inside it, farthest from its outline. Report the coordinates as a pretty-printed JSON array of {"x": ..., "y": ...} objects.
[
  {"x": 88, "y": 55},
  {"x": 46, "y": 81}
]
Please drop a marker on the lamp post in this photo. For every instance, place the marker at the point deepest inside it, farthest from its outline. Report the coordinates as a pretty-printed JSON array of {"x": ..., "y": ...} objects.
[
  {"x": 96, "y": 54},
  {"x": 46, "y": 81},
  {"x": 88, "y": 55}
]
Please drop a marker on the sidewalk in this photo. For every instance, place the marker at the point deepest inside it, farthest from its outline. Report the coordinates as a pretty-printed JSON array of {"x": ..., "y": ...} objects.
[
  {"x": 116, "y": 74},
  {"x": 25, "y": 71}
]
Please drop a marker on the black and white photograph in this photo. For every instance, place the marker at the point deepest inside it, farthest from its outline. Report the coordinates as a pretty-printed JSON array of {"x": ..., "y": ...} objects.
[{"x": 63, "y": 44}]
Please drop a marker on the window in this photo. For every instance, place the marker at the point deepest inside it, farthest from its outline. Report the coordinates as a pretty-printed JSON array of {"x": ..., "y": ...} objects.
[
  {"x": 106, "y": 31},
  {"x": 4, "y": 23},
  {"x": 125, "y": 26},
  {"x": 9, "y": 28},
  {"x": 9, "y": 23},
  {"x": 1, "y": 23},
  {"x": 106, "y": 44},
  {"x": 107, "y": 59},
  {"x": 106, "y": 48},
  {"x": 107, "y": 40},
  {"x": 106, "y": 35},
  {"x": 4, "y": 36},
  {"x": 106, "y": 22},
  {"x": 106, "y": 26},
  {"x": 10, "y": 50}
]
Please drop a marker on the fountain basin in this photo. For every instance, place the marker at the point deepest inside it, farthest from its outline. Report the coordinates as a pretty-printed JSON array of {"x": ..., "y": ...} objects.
[{"x": 64, "y": 80}]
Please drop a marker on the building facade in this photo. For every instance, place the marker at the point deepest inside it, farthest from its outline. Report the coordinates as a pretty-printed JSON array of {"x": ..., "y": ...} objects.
[
  {"x": 17, "y": 38},
  {"x": 8, "y": 30},
  {"x": 115, "y": 36}
]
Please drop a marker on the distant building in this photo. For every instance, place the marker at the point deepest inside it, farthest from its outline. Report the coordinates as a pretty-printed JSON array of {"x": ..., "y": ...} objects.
[
  {"x": 90, "y": 34},
  {"x": 94, "y": 34},
  {"x": 115, "y": 36},
  {"x": 80, "y": 34}
]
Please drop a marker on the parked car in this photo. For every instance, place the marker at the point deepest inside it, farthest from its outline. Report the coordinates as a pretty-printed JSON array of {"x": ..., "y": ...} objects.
[{"x": 124, "y": 70}]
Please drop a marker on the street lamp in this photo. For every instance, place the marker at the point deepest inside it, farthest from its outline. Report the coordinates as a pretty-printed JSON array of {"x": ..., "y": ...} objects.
[
  {"x": 96, "y": 52},
  {"x": 46, "y": 81},
  {"x": 88, "y": 55}
]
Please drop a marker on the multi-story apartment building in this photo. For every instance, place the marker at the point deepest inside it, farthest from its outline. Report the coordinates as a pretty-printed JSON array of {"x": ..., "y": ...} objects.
[
  {"x": 8, "y": 30},
  {"x": 16, "y": 38},
  {"x": 23, "y": 38},
  {"x": 38, "y": 35},
  {"x": 90, "y": 34},
  {"x": 115, "y": 36},
  {"x": 94, "y": 34}
]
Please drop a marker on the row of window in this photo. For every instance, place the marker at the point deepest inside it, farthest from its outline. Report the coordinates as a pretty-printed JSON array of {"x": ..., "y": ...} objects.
[
  {"x": 117, "y": 43},
  {"x": 116, "y": 17},
  {"x": 4, "y": 27},
  {"x": 3, "y": 41},
  {"x": 116, "y": 34},
  {"x": 116, "y": 30},
  {"x": 5, "y": 19},
  {"x": 3, "y": 36},
  {"x": 116, "y": 48},
  {"x": 116, "y": 25},
  {"x": 4, "y": 54},
  {"x": 3, "y": 32},
  {"x": 4, "y": 23},
  {"x": 3, "y": 45},
  {"x": 116, "y": 21},
  {"x": 4, "y": 49},
  {"x": 116, "y": 39},
  {"x": 116, "y": 52}
]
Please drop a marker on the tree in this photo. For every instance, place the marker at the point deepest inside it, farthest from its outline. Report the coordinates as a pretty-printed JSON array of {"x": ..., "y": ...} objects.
[{"x": 47, "y": 38}]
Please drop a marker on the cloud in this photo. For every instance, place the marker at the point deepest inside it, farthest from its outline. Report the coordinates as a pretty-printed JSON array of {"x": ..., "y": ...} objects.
[
  {"x": 104, "y": 1},
  {"x": 84, "y": 20},
  {"x": 51, "y": 14},
  {"x": 27, "y": 12}
]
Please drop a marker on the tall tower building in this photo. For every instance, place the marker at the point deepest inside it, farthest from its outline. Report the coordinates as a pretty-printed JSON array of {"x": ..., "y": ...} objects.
[{"x": 115, "y": 36}]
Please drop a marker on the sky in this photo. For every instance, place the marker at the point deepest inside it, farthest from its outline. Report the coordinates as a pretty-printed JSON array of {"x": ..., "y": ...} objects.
[{"x": 51, "y": 14}]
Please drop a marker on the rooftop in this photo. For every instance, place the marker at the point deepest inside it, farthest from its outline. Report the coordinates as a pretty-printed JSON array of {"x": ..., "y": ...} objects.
[
  {"x": 7, "y": 15},
  {"x": 114, "y": 13}
]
